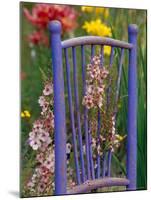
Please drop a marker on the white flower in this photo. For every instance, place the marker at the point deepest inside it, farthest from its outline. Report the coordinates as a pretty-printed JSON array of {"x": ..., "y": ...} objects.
[
  {"x": 41, "y": 100},
  {"x": 89, "y": 89},
  {"x": 68, "y": 148},
  {"x": 100, "y": 102},
  {"x": 93, "y": 143},
  {"x": 35, "y": 144}
]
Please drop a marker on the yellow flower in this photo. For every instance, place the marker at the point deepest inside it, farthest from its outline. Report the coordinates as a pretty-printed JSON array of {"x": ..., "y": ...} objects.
[
  {"x": 107, "y": 50},
  {"x": 120, "y": 138},
  {"x": 25, "y": 113},
  {"x": 103, "y": 11},
  {"x": 97, "y": 10},
  {"x": 22, "y": 114},
  {"x": 96, "y": 27},
  {"x": 106, "y": 13},
  {"x": 87, "y": 8}
]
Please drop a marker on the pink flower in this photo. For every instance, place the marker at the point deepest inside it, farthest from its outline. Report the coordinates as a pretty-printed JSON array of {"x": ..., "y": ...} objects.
[
  {"x": 44, "y": 146},
  {"x": 38, "y": 125},
  {"x": 48, "y": 89},
  {"x": 30, "y": 184},
  {"x": 49, "y": 163},
  {"x": 49, "y": 122},
  {"x": 88, "y": 101},
  {"x": 41, "y": 187},
  {"x": 42, "y": 170},
  {"x": 45, "y": 108},
  {"x": 40, "y": 157},
  {"x": 44, "y": 136},
  {"x": 45, "y": 179}
]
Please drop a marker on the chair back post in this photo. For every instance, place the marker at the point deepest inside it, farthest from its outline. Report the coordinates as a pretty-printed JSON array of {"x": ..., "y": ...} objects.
[
  {"x": 132, "y": 109},
  {"x": 59, "y": 109}
]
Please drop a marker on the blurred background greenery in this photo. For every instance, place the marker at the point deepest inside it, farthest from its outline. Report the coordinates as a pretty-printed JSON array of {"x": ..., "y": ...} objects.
[{"x": 36, "y": 56}]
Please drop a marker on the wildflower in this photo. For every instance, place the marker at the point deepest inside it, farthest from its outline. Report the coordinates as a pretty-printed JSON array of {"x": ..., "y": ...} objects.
[
  {"x": 26, "y": 114},
  {"x": 41, "y": 187},
  {"x": 107, "y": 50},
  {"x": 95, "y": 84},
  {"x": 103, "y": 11},
  {"x": 49, "y": 163},
  {"x": 44, "y": 136},
  {"x": 49, "y": 122},
  {"x": 40, "y": 157},
  {"x": 87, "y": 8},
  {"x": 42, "y": 14},
  {"x": 30, "y": 184},
  {"x": 35, "y": 143},
  {"x": 93, "y": 143},
  {"x": 48, "y": 89},
  {"x": 96, "y": 27},
  {"x": 68, "y": 148},
  {"x": 119, "y": 137},
  {"x": 88, "y": 101},
  {"x": 41, "y": 101},
  {"x": 100, "y": 102},
  {"x": 41, "y": 141},
  {"x": 97, "y": 10},
  {"x": 37, "y": 125},
  {"x": 22, "y": 114},
  {"x": 38, "y": 37},
  {"x": 45, "y": 108}
]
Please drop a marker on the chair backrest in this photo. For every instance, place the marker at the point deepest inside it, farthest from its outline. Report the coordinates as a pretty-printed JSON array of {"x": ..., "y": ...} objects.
[{"x": 80, "y": 129}]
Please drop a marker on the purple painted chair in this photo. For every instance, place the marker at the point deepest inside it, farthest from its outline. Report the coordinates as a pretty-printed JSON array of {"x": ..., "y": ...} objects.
[{"x": 86, "y": 178}]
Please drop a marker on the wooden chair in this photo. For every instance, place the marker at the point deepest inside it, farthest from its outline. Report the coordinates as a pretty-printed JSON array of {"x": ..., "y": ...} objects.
[{"x": 86, "y": 179}]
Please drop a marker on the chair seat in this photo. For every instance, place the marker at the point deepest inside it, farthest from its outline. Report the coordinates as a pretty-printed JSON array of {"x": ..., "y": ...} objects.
[{"x": 98, "y": 183}]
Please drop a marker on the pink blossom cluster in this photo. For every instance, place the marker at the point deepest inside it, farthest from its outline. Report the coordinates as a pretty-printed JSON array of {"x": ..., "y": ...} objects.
[
  {"x": 94, "y": 100},
  {"x": 39, "y": 137},
  {"x": 42, "y": 180},
  {"x": 95, "y": 87},
  {"x": 41, "y": 140}
]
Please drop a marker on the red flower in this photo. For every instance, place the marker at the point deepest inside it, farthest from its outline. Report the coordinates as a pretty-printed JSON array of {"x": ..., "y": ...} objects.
[
  {"x": 38, "y": 37},
  {"x": 43, "y": 13}
]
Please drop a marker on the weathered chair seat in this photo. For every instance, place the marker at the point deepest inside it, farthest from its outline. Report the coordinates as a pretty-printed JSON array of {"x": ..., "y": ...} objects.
[{"x": 98, "y": 183}]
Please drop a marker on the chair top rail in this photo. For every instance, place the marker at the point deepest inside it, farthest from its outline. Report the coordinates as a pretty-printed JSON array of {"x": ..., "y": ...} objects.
[
  {"x": 98, "y": 183},
  {"x": 96, "y": 40}
]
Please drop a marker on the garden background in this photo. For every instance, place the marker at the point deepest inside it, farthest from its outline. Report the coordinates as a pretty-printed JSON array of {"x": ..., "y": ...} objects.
[{"x": 35, "y": 62}]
